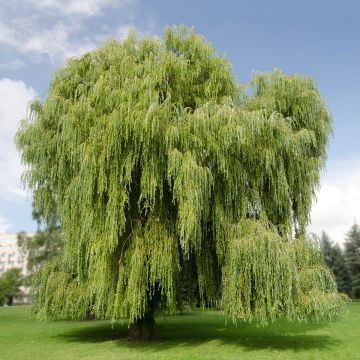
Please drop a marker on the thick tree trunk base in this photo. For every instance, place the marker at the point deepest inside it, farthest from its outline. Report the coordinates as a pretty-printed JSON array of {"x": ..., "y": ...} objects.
[
  {"x": 142, "y": 330},
  {"x": 89, "y": 316}
]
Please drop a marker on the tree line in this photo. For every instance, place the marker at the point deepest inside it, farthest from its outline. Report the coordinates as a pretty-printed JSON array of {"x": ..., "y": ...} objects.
[
  {"x": 44, "y": 245},
  {"x": 344, "y": 263}
]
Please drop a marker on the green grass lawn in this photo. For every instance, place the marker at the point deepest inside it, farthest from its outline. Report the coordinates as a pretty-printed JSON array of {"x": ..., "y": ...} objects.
[{"x": 195, "y": 335}]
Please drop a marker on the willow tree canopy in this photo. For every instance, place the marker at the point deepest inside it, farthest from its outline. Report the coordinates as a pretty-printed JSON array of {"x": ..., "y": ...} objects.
[{"x": 168, "y": 176}]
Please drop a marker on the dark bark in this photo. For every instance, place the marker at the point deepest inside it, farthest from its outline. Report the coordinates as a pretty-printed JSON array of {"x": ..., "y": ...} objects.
[
  {"x": 143, "y": 328},
  {"x": 90, "y": 315}
]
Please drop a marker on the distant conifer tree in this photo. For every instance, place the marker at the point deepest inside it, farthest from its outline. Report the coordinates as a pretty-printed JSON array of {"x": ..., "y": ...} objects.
[
  {"x": 336, "y": 261},
  {"x": 352, "y": 253}
]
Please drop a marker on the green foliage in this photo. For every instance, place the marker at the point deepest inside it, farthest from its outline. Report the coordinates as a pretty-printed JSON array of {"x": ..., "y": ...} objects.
[
  {"x": 352, "y": 253},
  {"x": 44, "y": 244},
  {"x": 10, "y": 282},
  {"x": 336, "y": 261},
  {"x": 304, "y": 288},
  {"x": 159, "y": 162},
  {"x": 40, "y": 247}
]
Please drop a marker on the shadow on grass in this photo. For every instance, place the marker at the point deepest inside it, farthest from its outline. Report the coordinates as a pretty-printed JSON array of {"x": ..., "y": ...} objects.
[{"x": 189, "y": 331}]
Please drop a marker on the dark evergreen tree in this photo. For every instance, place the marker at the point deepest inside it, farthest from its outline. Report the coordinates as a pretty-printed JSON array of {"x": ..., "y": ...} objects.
[
  {"x": 336, "y": 261},
  {"x": 352, "y": 253}
]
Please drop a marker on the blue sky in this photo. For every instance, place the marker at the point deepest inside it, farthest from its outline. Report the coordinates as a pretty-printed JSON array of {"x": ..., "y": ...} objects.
[{"x": 312, "y": 38}]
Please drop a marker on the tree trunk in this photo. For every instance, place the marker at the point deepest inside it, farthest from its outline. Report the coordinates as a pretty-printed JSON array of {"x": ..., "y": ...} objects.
[
  {"x": 143, "y": 328},
  {"x": 89, "y": 315}
]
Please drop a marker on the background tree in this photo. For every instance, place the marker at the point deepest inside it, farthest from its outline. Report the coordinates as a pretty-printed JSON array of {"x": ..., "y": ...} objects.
[
  {"x": 10, "y": 282},
  {"x": 45, "y": 244},
  {"x": 160, "y": 164},
  {"x": 352, "y": 253},
  {"x": 335, "y": 260}
]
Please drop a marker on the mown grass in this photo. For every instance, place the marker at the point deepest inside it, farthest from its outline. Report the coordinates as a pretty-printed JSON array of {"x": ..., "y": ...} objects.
[{"x": 195, "y": 335}]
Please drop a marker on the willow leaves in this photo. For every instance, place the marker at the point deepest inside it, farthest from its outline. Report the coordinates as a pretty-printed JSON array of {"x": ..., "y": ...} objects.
[{"x": 165, "y": 171}]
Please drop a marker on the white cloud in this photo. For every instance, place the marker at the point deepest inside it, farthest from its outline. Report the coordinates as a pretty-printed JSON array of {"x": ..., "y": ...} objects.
[
  {"x": 57, "y": 30},
  {"x": 338, "y": 201},
  {"x": 77, "y": 7},
  {"x": 55, "y": 42},
  {"x": 14, "y": 99}
]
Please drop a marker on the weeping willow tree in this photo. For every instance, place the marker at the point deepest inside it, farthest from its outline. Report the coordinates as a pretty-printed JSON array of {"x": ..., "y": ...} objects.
[{"x": 166, "y": 172}]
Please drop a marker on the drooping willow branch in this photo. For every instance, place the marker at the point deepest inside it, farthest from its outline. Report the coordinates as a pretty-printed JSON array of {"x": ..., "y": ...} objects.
[{"x": 166, "y": 173}]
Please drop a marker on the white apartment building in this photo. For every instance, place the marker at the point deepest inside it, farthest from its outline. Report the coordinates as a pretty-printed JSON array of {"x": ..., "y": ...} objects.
[
  {"x": 10, "y": 254},
  {"x": 12, "y": 257}
]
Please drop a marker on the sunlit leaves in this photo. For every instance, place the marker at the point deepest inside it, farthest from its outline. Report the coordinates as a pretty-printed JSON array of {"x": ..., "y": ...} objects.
[{"x": 160, "y": 162}]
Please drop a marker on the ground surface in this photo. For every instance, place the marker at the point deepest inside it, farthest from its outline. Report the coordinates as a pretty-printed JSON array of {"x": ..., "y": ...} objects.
[{"x": 196, "y": 335}]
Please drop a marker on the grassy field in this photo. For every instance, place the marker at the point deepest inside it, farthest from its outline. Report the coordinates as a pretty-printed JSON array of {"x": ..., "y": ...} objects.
[{"x": 196, "y": 335}]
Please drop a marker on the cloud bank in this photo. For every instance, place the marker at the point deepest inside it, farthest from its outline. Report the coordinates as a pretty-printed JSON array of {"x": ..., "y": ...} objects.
[
  {"x": 57, "y": 30},
  {"x": 83, "y": 8},
  {"x": 338, "y": 200},
  {"x": 14, "y": 98}
]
